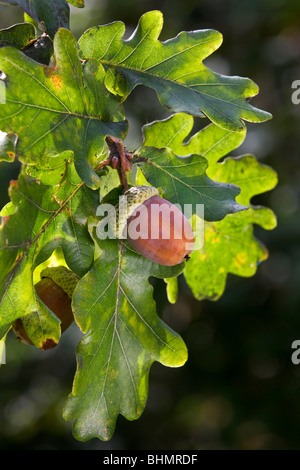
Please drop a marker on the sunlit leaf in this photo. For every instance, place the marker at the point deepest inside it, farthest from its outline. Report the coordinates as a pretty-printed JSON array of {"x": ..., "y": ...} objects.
[
  {"x": 229, "y": 245},
  {"x": 174, "y": 69},
  {"x": 38, "y": 220},
  {"x": 76, "y": 3},
  {"x": 114, "y": 306},
  {"x": 53, "y": 110}
]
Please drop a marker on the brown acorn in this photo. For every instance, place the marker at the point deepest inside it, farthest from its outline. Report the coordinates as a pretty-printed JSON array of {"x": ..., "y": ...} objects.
[
  {"x": 156, "y": 228},
  {"x": 55, "y": 290}
]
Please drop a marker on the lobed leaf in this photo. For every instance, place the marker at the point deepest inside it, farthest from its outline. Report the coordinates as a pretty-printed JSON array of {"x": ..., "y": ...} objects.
[
  {"x": 53, "y": 110},
  {"x": 38, "y": 220},
  {"x": 113, "y": 305},
  {"x": 183, "y": 181},
  {"x": 174, "y": 69},
  {"x": 229, "y": 245}
]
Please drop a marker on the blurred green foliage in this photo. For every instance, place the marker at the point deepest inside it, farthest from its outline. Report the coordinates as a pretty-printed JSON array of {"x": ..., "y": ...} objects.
[{"x": 239, "y": 388}]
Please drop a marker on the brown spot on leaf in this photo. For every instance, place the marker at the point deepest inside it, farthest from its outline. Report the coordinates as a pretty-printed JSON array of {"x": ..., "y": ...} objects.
[
  {"x": 53, "y": 76},
  {"x": 57, "y": 200},
  {"x": 14, "y": 183},
  {"x": 57, "y": 81},
  {"x": 48, "y": 344}
]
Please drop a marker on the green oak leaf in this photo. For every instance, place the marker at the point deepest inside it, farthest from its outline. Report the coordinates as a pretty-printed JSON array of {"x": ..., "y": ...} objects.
[
  {"x": 229, "y": 245},
  {"x": 183, "y": 180},
  {"x": 54, "y": 14},
  {"x": 18, "y": 35},
  {"x": 174, "y": 69},
  {"x": 28, "y": 19},
  {"x": 212, "y": 142},
  {"x": 76, "y": 3},
  {"x": 52, "y": 171},
  {"x": 172, "y": 289},
  {"x": 53, "y": 110},
  {"x": 23, "y": 37},
  {"x": 38, "y": 220},
  {"x": 19, "y": 300},
  {"x": 114, "y": 307}
]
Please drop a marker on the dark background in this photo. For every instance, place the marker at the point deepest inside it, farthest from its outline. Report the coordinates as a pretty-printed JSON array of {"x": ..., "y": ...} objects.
[{"x": 239, "y": 388}]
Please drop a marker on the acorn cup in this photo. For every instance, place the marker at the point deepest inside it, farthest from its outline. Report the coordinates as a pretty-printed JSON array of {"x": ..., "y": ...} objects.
[
  {"x": 154, "y": 227},
  {"x": 55, "y": 289}
]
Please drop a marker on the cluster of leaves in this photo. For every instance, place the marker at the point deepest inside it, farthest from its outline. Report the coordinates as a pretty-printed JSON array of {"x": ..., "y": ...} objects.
[{"x": 61, "y": 103}]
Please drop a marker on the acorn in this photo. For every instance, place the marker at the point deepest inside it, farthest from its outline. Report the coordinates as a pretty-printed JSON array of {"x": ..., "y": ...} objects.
[
  {"x": 154, "y": 227},
  {"x": 55, "y": 289}
]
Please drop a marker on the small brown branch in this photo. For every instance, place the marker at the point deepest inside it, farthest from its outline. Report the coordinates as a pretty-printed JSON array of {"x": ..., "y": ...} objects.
[
  {"x": 123, "y": 170},
  {"x": 106, "y": 162},
  {"x": 119, "y": 159}
]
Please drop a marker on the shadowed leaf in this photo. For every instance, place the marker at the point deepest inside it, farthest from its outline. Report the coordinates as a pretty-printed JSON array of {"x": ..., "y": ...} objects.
[
  {"x": 18, "y": 35},
  {"x": 183, "y": 181},
  {"x": 53, "y": 13}
]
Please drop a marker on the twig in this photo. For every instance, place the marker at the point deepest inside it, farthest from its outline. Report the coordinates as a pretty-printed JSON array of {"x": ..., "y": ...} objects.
[{"x": 119, "y": 159}]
